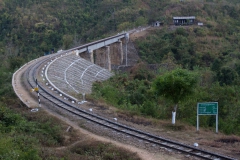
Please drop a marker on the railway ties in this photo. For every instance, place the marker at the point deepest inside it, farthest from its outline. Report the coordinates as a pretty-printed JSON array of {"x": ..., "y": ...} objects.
[{"x": 116, "y": 128}]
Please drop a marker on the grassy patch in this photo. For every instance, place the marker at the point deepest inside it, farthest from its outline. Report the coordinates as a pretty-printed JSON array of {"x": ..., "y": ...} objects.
[
  {"x": 229, "y": 139},
  {"x": 176, "y": 127},
  {"x": 41, "y": 136},
  {"x": 104, "y": 151}
]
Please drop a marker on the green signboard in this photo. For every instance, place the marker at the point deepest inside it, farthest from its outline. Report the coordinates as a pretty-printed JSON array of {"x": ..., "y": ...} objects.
[{"x": 209, "y": 108}]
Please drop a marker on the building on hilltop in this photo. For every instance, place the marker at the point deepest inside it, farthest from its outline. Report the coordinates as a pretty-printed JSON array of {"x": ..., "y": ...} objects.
[{"x": 184, "y": 20}]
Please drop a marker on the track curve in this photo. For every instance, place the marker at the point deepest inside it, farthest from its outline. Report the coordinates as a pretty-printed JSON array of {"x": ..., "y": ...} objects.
[{"x": 68, "y": 106}]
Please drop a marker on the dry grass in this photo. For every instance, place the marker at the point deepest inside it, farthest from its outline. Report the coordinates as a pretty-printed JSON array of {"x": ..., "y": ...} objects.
[
  {"x": 130, "y": 117},
  {"x": 89, "y": 149},
  {"x": 229, "y": 139},
  {"x": 98, "y": 150},
  {"x": 75, "y": 145}
]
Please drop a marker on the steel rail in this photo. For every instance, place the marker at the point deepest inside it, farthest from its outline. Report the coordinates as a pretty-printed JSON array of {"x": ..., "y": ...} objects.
[{"x": 32, "y": 74}]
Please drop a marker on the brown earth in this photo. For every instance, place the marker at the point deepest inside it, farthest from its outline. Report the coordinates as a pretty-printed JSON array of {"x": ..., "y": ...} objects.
[
  {"x": 206, "y": 138},
  {"x": 30, "y": 100}
]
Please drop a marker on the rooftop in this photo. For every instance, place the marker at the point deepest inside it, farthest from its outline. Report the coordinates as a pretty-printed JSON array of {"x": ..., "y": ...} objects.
[{"x": 189, "y": 17}]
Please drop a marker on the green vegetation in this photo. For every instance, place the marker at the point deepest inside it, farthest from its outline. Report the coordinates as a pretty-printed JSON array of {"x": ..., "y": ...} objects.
[
  {"x": 30, "y": 28},
  {"x": 211, "y": 51},
  {"x": 22, "y": 139},
  {"x": 36, "y": 136},
  {"x": 97, "y": 150},
  {"x": 175, "y": 86},
  {"x": 136, "y": 95}
]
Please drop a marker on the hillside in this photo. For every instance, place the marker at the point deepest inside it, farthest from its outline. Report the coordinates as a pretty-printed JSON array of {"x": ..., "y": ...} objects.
[
  {"x": 211, "y": 51},
  {"x": 32, "y": 28}
]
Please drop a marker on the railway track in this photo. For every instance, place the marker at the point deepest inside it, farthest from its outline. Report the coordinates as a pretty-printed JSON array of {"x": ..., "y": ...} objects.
[{"x": 68, "y": 106}]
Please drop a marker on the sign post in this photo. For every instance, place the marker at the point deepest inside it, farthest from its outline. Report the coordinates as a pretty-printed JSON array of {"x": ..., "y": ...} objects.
[
  {"x": 37, "y": 90},
  {"x": 207, "y": 108}
]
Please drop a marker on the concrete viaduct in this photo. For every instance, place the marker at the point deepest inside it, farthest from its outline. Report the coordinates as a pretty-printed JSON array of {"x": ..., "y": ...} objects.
[
  {"x": 105, "y": 52},
  {"x": 73, "y": 71}
]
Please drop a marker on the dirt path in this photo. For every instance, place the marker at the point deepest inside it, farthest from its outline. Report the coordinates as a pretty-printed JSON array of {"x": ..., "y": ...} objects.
[
  {"x": 26, "y": 97},
  {"x": 206, "y": 139}
]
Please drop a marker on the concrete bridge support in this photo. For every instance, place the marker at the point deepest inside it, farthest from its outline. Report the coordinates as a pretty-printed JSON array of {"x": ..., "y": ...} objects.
[
  {"x": 91, "y": 55},
  {"x": 106, "y": 53},
  {"x": 121, "y": 51},
  {"x": 108, "y": 58},
  {"x": 101, "y": 57},
  {"x": 105, "y": 56}
]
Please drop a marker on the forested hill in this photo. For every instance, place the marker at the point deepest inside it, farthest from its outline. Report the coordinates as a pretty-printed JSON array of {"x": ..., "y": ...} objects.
[{"x": 30, "y": 28}]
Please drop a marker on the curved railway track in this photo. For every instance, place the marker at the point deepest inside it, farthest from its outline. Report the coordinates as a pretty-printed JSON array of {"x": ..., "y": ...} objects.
[{"x": 38, "y": 67}]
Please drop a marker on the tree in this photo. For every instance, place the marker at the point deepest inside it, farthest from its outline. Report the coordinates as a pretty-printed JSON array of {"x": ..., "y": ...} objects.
[
  {"x": 67, "y": 41},
  {"x": 16, "y": 62},
  {"x": 216, "y": 65},
  {"x": 175, "y": 86},
  {"x": 226, "y": 76}
]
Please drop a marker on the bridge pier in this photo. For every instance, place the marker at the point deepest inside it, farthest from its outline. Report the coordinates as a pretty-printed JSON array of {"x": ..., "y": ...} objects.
[
  {"x": 91, "y": 55},
  {"x": 108, "y": 58},
  {"x": 126, "y": 41},
  {"x": 121, "y": 51},
  {"x": 106, "y": 53},
  {"x": 77, "y": 52}
]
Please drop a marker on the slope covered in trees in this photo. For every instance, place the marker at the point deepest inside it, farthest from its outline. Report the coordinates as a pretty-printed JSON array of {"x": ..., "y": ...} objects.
[
  {"x": 211, "y": 51},
  {"x": 30, "y": 28}
]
